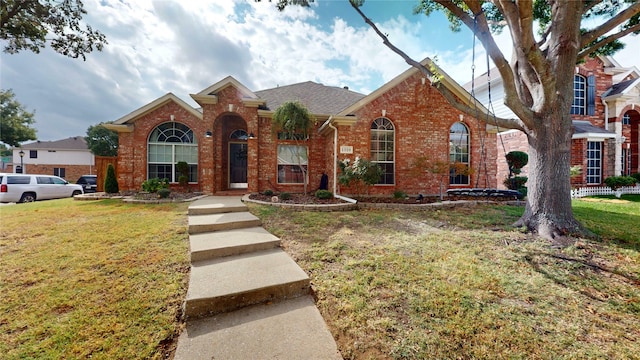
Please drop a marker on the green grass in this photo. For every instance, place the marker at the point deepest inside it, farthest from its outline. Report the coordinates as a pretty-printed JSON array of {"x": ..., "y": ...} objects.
[
  {"x": 461, "y": 283},
  {"x": 99, "y": 279}
]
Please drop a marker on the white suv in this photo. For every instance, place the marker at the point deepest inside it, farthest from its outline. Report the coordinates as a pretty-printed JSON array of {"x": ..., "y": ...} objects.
[{"x": 32, "y": 187}]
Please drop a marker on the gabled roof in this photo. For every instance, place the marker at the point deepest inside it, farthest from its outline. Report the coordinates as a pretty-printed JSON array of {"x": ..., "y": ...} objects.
[
  {"x": 317, "y": 98},
  {"x": 153, "y": 106},
  {"x": 619, "y": 89},
  {"x": 210, "y": 94},
  {"x": 445, "y": 80},
  {"x": 72, "y": 143}
]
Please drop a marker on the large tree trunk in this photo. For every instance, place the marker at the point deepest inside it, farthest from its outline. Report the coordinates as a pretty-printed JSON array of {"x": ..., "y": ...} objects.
[{"x": 548, "y": 209}]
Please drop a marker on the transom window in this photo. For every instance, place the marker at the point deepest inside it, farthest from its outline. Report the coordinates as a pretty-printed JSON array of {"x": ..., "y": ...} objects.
[
  {"x": 458, "y": 154},
  {"x": 626, "y": 119},
  {"x": 383, "y": 149},
  {"x": 292, "y": 164},
  {"x": 170, "y": 143},
  {"x": 579, "y": 95},
  {"x": 239, "y": 135},
  {"x": 594, "y": 162}
]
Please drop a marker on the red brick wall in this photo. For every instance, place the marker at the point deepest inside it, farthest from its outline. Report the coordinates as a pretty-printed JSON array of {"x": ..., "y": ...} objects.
[
  {"x": 132, "y": 150},
  {"x": 72, "y": 172},
  {"x": 594, "y": 66},
  {"x": 422, "y": 119}
]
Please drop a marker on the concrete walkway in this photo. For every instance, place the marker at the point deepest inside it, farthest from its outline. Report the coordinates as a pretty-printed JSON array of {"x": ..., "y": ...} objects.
[{"x": 247, "y": 298}]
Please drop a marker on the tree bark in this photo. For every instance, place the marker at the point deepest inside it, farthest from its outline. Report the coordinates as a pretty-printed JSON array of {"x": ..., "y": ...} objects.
[{"x": 548, "y": 209}]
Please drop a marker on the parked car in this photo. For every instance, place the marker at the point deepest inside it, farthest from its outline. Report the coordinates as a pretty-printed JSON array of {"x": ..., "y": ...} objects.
[
  {"x": 32, "y": 187},
  {"x": 88, "y": 182}
]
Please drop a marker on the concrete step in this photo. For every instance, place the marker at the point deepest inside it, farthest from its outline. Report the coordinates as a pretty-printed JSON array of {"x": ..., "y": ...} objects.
[
  {"x": 216, "y": 205},
  {"x": 230, "y": 242},
  {"x": 230, "y": 283},
  {"x": 226, "y": 221},
  {"x": 292, "y": 329}
]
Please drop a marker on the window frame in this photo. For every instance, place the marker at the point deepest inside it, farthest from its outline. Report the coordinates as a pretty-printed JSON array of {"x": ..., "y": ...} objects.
[
  {"x": 463, "y": 157},
  {"x": 180, "y": 141},
  {"x": 383, "y": 129},
  {"x": 579, "y": 103},
  {"x": 593, "y": 158},
  {"x": 285, "y": 171}
]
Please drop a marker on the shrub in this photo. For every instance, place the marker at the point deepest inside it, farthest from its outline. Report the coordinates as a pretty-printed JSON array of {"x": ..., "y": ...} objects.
[
  {"x": 516, "y": 182},
  {"x": 324, "y": 194},
  {"x": 516, "y": 161},
  {"x": 636, "y": 176},
  {"x": 110, "y": 181},
  {"x": 183, "y": 170},
  {"x": 163, "y": 193},
  {"x": 285, "y": 196},
  {"x": 359, "y": 173},
  {"x": 268, "y": 192},
  {"x": 615, "y": 182},
  {"x": 155, "y": 184},
  {"x": 399, "y": 194}
]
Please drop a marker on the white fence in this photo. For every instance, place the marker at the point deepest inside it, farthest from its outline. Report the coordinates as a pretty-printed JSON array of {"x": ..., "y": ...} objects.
[{"x": 604, "y": 190}]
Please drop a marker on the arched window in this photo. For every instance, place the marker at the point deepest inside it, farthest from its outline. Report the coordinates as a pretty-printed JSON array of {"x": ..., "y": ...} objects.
[
  {"x": 170, "y": 143},
  {"x": 459, "y": 154},
  {"x": 383, "y": 148},
  {"x": 239, "y": 135}
]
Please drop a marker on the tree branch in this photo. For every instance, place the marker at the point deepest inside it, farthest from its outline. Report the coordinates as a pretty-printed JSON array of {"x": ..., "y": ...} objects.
[
  {"x": 586, "y": 52},
  {"x": 601, "y": 30},
  {"x": 454, "y": 100}
]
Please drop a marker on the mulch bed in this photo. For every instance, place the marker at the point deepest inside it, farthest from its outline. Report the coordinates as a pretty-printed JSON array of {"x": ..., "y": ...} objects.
[{"x": 297, "y": 199}]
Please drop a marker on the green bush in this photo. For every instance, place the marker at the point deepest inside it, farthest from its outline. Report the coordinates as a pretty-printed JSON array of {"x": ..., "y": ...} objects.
[
  {"x": 615, "y": 182},
  {"x": 324, "y": 194},
  {"x": 155, "y": 184},
  {"x": 515, "y": 183},
  {"x": 183, "y": 171},
  {"x": 267, "y": 192},
  {"x": 285, "y": 196},
  {"x": 110, "y": 181},
  {"x": 636, "y": 176},
  {"x": 516, "y": 161},
  {"x": 163, "y": 193},
  {"x": 399, "y": 194}
]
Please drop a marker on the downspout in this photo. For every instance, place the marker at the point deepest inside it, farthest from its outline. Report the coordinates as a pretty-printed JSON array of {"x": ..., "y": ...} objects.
[
  {"x": 335, "y": 154},
  {"x": 606, "y": 114}
]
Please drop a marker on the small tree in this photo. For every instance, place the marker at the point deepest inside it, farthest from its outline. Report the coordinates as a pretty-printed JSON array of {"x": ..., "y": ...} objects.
[
  {"x": 110, "y": 181},
  {"x": 15, "y": 120},
  {"x": 359, "y": 174},
  {"x": 439, "y": 168},
  {"x": 102, "y": 141},
  {"x": 183, "y": 174},
  {"x": 294, "y": 122},
  {"x": 516, "y": 161}
]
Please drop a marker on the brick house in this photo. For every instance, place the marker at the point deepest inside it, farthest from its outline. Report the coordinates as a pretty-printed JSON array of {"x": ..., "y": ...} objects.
[
  {"x": 68, "y": 158},
  {"x": 606, "y": 121},
  {"x": 230, "y": 143}
]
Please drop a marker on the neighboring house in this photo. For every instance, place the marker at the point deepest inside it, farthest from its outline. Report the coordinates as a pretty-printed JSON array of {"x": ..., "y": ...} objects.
[
  {"x": 230, "y": 143},
  {"x": 606, "y": 120},
  {"x": 68, "y": 158}
]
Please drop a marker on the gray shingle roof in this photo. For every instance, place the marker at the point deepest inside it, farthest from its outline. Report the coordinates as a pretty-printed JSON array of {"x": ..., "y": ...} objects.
[
  {"x": 318, "y": 98},
  {"x": 619, "y": 88},
  {"x": 72, "y": 143},
  {"x": 581, "y": 127}
]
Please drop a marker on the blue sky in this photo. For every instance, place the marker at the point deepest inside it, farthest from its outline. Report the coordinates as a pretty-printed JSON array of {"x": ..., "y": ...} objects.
[{"x": 156, "y": 47}]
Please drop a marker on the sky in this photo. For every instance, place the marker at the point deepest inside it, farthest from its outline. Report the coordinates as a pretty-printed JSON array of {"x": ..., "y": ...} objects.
[{"x": 183, "y": 47}]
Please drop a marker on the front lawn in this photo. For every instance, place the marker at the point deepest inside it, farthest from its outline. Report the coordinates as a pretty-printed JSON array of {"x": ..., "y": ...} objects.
[
  {"x": 91, "y": 279},
  {"x": 460, "y": 284}
]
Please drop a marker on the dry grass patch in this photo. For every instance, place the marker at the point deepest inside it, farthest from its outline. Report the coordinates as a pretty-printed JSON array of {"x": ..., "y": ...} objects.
[
  {"x": 99, "y": 279},
  {"x": 462, "y": 284}
]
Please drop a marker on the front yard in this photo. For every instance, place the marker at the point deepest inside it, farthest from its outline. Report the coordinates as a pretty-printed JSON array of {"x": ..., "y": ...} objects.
[{"x": 106, "y": 280}]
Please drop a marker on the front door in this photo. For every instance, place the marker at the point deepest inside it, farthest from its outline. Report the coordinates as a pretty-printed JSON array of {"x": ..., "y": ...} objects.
[{"x": 238, "y": 165}]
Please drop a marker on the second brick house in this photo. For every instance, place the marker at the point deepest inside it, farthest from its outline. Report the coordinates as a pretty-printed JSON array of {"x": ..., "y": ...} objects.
[{"x": 230, "y": 143}]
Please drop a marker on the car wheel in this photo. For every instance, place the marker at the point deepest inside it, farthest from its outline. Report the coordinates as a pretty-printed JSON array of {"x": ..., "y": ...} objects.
[
  {"x": 28, "y": 197},
  {"x": 76, "y": 192}
]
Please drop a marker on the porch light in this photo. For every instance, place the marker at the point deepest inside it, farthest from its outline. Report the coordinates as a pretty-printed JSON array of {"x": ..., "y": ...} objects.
[
  {"x": 251, "y": 136},
  {"x": 208, "y": 133}
]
